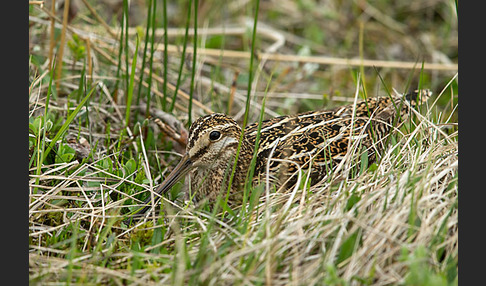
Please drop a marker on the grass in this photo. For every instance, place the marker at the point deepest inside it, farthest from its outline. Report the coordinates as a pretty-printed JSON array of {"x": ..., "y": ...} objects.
[{"x": 389, "y": 222}]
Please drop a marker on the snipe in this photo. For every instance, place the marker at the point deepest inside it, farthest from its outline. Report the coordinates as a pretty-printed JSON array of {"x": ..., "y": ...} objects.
[{"x": 320, "y": 138}]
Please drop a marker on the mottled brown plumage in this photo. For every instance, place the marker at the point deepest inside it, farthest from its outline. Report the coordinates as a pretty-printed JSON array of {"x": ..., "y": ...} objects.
[{"x": 321, "y": 138}]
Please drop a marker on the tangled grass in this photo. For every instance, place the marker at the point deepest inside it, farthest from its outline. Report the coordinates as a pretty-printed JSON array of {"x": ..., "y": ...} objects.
[{"x": 95, "y": 154}]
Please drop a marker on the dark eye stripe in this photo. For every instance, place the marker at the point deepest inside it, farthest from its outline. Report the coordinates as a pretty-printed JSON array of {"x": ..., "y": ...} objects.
[{"x": 199, "y": 154}]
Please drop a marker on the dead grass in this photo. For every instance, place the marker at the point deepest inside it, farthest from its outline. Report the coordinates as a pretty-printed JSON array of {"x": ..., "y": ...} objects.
[{"x": 394, "y": 223}]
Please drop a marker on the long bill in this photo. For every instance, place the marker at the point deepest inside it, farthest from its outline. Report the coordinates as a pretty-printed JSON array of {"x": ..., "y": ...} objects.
[{"x": 182, "y": 168}]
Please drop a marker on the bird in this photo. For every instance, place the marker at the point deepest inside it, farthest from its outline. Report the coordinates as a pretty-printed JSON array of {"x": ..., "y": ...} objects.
[{"x": 315, "y": 140}]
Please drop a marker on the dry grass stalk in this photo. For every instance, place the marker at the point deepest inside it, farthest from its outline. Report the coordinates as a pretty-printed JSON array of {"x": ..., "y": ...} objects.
[{"x": 290, "y": 237}]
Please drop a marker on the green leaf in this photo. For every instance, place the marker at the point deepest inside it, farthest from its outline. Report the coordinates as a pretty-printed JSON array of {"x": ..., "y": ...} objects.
[
  {"x": 106, "y": 164},
  {"x": 130, "y": 166},
  {"x": 36, "y": 125},
  {"x": 65, "y": 154},
  {"x": 364, "y": 162},
  {"x": 352, "y": 200},
  {"x": 349, "y": 246},
  {"x": 158, "y": 237},
  {"x": 373, "y": 167}
]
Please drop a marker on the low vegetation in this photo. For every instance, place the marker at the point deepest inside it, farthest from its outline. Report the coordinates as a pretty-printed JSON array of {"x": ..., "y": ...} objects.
[{"x": 102, "y": 76}]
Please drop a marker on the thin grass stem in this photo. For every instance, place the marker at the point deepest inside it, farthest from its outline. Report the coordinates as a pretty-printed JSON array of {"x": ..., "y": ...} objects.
[{"x": 183, "y": 56}]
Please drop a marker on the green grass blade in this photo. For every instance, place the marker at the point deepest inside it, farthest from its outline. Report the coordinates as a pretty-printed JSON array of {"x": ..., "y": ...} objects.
[
  {"x": 125, "y": 12},
  {"x": 144, "y": 53},
  {"x": 131, "y": 84},
  {"x": 151, "y": 60},
  {"x": 166, "y": 42},
  {"x": 251, "y": 169},
  {"x": 183, "y": 56},
  {"x": 194, "y": 59},
  {"x": 248, "y": 97},
  {"x": 120, "y": 53},
  {"x": 40, "y": 147},
  {"x": 65, "y": 126}
]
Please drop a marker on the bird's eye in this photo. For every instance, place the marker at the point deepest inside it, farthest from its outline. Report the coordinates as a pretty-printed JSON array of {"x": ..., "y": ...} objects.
[{"x": 214, "y": 135}]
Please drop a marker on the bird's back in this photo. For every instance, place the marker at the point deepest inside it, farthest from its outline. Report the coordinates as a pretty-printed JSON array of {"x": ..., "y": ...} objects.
[{"x": 323, "y": 137}]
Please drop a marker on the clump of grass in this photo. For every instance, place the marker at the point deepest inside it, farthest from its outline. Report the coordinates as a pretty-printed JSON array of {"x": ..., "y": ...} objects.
[
  {"x": 370, "y": 229},
  {"x": 391, "y": 222}
]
